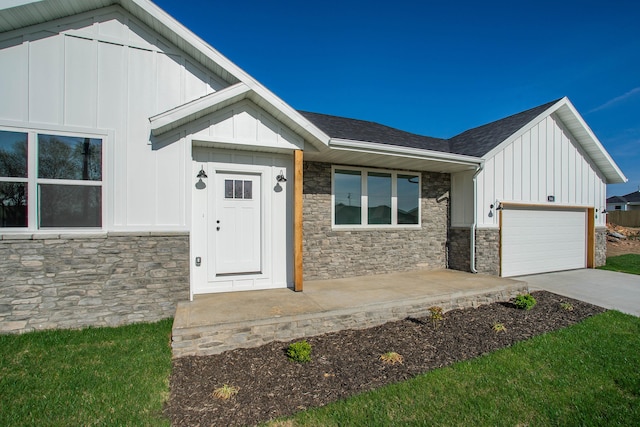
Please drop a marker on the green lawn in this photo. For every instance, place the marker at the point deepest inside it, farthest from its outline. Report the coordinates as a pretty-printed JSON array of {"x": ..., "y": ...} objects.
[
  {"x": 583, "y": 375},
  {"x": 96, "y": 376},
  {"x": 588, "y": 374},
  {"x": 628, "y": 263}
]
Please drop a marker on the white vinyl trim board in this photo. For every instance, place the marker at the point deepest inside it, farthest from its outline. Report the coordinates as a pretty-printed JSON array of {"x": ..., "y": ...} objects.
[{"x": 536, "y": 240}]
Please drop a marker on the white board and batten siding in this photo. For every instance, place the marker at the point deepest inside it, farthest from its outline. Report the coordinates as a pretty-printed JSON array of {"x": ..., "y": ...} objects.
[
  {"x": 543, "y": 161},
  {"x": 105, "y": 72}
]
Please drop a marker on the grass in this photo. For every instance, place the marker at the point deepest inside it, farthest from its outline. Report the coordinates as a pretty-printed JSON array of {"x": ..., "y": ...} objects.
[
  {"x": 95, "y": 376},
  {"x": 628, "y": 263},
  {"x": 583, "y": 375}
]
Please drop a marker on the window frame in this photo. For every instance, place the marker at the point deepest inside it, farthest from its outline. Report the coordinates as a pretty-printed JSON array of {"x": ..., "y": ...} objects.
[
  {"x": 364, "y": 202},
  {"x": 33, "y": 181}
]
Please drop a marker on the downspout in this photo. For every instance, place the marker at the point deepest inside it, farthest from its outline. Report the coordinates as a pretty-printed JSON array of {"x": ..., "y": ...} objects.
[{"x": 472, "y": 260}]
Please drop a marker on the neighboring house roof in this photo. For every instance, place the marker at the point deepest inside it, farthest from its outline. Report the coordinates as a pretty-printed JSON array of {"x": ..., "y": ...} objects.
[
  {"x": 616, "y": 199},
  {"x": 631, "y": 198}
]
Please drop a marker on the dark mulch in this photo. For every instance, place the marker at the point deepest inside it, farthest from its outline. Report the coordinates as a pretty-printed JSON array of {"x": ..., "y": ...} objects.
[{"x": 348, "y": 362}]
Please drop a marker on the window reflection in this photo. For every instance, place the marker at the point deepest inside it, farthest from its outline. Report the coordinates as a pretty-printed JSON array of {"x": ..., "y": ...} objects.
[
  {"x": 69, "y": 157},
  {"x": 408, "y": 199},
  {"x": 13, "y": 204},
  {"x": 13, "y": 154},
  {"x": 348, "y": 192},
  {"x": 379, "y": 197}
]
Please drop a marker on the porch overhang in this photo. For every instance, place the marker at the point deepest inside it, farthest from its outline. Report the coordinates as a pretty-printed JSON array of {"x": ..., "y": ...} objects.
[{"x": 363, "y": 153}]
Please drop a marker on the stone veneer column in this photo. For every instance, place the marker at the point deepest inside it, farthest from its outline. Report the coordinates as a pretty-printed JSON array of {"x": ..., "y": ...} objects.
[
  {"x": 601, "y": 246},
  {"x": 330, "y": 254},
  {"x": 108, "y": 279}
]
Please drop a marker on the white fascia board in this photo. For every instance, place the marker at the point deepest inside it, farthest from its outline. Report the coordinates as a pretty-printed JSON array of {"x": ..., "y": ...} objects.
[
  {"x": 588, "y": 141},
  {"x": 592, "y": 142},
  {"x": 395, "y": 150},
  {"x": 193, "y": 110}
]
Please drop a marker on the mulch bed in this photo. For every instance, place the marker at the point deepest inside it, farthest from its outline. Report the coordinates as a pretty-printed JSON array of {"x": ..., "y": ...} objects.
[{"x": 348, "y": 362}]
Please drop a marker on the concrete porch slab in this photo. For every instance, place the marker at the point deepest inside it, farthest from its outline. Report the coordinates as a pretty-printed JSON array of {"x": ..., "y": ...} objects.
[{"x": 211, "y": 324}]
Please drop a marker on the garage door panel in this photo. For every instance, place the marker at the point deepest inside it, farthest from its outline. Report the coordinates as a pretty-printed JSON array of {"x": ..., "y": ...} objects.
[{"x": 535, "y": 241}]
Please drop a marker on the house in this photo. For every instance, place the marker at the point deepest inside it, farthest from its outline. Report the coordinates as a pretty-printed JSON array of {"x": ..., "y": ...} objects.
[
  {"x": 140, "y": 167},
  {"x": 628, "y": 202}
]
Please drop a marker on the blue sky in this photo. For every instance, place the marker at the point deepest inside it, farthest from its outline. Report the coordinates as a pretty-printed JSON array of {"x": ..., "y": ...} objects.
[{"x": 439, "y": 69}]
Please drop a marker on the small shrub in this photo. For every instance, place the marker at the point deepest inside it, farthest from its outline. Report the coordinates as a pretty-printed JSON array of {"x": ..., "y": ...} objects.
[
  {"x": 225, "y": 392},
  {"x": 499, "y": 327},
  {"x": 525, "y": 302},
  {"x": 391, "y": 358},
  {"x": 299, "y": 352},
  {"x": 566, "y": 306},
  {"x": 436, "y": 315}
]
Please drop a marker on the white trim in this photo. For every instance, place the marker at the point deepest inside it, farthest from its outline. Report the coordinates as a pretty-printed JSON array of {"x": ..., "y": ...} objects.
[
  {"x": 398, "y": 151},
  {"x": 171, "y": 119},
  {"x": 33, "y": 181},
  {"x": 364, "y": 200},
  {"x": 562, "y": 108}
]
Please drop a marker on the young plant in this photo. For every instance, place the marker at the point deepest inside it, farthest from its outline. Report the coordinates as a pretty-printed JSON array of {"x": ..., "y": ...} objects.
[
  {"x": 525, "y": 301},
  {"x": 436, "y": 315},
  {"x": 225, "y": 392},
  {"x": 499, "y": 327},
  {"x": 566, "y": 306},
  {"x": 391, "y": 358},
  {"x": 299, "y": 351}
]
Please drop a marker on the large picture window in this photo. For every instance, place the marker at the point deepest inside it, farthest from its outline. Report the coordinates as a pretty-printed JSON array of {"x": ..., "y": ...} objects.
[
  {"x": 375, "y": 198},
  {"x": 50, "y": 180}
]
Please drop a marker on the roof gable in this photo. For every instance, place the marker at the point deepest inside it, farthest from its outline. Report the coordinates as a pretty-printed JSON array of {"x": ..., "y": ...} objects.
[
  {"x": 19, "y": 14},
  {"x": 481, "y": 140}
]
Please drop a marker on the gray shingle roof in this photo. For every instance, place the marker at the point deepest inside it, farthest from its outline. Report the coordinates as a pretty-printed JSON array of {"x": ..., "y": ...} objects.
[
  {"x": 474, "y": 142},
  {"x": 361, "y": 130},
  {"x": 479, "y": 141},
  {"x": 633, "y": 197}
]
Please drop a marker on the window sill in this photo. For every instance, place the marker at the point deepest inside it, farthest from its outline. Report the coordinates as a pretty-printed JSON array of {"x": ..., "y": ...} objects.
[{"x": 376, "y": 227}]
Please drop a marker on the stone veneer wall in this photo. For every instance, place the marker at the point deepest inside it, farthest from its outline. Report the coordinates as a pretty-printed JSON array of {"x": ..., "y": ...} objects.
[
  {"x": 459, "y": 249},
  {"x": 72, "y": 281},
  {"x": 330, "y": 254},
  {"x": 601, "y": 246},
  {"x": 487, "y": 250}
]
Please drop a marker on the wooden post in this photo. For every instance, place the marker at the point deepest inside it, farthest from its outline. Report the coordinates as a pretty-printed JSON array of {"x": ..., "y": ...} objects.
[
  {"x": 591, "y": 238},
  {"x": 297, "y": 221}
]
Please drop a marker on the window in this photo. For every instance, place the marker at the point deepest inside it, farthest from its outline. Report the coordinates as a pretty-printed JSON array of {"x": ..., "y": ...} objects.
[
  {"x": 50, "y": 180},
  {"x": 238, "y": 189},
  {"x": 375, "y": 198}
]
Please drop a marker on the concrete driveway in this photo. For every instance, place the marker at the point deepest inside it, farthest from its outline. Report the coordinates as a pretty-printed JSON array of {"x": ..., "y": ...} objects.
[{"x": 608, "y": 289}]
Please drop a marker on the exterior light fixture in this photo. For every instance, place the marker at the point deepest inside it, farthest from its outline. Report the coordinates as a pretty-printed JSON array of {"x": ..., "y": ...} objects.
[
  {"x": 281, "y": 178},
  {"x": 202, "y": 173}
]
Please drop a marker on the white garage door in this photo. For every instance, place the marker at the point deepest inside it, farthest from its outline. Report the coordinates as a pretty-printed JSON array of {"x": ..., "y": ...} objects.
[{"x": 538, "y": 241}]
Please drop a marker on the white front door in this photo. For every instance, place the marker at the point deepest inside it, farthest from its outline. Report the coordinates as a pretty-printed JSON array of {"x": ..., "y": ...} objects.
[{"x": 237, "y": 224}]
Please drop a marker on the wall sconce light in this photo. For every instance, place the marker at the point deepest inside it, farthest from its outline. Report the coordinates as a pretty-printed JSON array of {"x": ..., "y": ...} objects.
[
  {"x": 603, "y": 210},
  {"x": 281, "y": 178},
  {"x": 202, "y": 173},
  {"x": 499, "y": 208}
]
